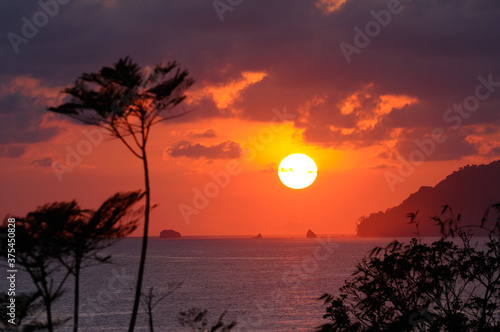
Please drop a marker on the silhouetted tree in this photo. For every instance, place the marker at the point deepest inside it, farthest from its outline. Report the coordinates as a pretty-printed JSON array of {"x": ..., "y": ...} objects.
[
  {"x": 59, "y": 239},
  {"x": 441, "y": 286},
  {"x": 38, "y": 252},
  {"x": 25, "y": 305},
  {"x": 150, "y": 303},
  {"x": 127, "y": 102},
  {"x": 85, "y": 237},
  {"x": 196, "y": 320}
]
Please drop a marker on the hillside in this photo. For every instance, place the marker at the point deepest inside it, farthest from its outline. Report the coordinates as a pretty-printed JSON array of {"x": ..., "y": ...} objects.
[{"x": 469, "y": 191}]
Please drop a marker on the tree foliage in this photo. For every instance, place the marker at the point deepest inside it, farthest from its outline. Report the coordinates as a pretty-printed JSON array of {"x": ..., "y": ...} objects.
[
  {"x": 196, "y": 320},
  {"x": 59, "y": 239},
  {"x": 449, "y": 285},
  {"x": 27, "y": 307},
  {"x": 150, "y": 300},
  {"x": 126, "y": 101}
]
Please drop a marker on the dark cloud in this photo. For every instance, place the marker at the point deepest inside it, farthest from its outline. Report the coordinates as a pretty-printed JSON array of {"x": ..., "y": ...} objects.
[
  {"x": 209, "y": 133},
  {"x": 42, "y": 163},
  {"x": 432, "y": 51},
  {"x": 23, "y": 111},
  {"x": 12, "y": 151},
  {"x": 223, "y": 150},
  {"x": 381, "y": 166},
  {"x": 270, "y": 168},
  {"x": 494, "y": 152},
  {"x": 453, "y": 146}
]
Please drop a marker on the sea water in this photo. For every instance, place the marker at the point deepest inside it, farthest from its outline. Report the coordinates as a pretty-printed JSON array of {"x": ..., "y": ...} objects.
[{"x": 269, "y": 284}]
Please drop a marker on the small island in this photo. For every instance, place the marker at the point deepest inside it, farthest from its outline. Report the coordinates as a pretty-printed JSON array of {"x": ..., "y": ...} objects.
[
  {"x": 259, "y": 236},
  {"x": 310, "y": 234},
  {"x": 170, "y": 234}
]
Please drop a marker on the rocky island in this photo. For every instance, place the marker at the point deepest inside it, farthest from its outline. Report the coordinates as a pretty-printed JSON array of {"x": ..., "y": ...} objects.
[
  {"x": 170, "y": 234},
  {"x": 310, "y": 234}
]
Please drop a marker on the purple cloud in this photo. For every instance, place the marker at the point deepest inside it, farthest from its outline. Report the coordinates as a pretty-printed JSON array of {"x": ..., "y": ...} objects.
[{"x": 224, "y": 150}]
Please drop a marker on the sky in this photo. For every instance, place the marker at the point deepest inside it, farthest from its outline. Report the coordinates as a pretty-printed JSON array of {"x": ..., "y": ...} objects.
[{"x": 385, "y": 97}]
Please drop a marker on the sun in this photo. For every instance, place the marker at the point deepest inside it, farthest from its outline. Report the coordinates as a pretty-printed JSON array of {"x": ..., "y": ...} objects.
[{"x": 297, "y": 171}]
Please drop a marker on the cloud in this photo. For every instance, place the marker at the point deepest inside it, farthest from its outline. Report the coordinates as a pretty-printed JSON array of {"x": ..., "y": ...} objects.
[
  {"x": 42, "y": 163},
  {"x": 494, "y": 152},
  {"x": 432, "y": 52},
  {"x": 23, "y": 102},
  {"x": 356, "y": 121},
  {"x": 270, "y": 168},
  {"x": 197, "y": 170},
  {"x": 208, "y": 133},
  {"x": 224, "y": 95},
  {"x": 12, "y": 151},
  {"x": 456, "y": 146},
  {"x": 329, "y": 6},
  {"x": 381, "y": 166},
  {"x": 224, "y": 150}
]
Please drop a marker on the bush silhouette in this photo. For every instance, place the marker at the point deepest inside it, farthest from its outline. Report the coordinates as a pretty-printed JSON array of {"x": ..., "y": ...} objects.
[{"x": 449, "y": 285}]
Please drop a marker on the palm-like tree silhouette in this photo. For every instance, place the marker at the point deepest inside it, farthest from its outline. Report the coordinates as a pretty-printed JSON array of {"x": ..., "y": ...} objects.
[
  {"x": 59, "y": 239},
  {"x": 126, "y": 101},
  {"x": 94, "y": 231},
  {"x": 38, "y": 236}
]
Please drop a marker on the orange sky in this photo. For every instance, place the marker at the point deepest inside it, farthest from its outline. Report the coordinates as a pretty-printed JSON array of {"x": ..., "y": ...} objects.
[
  {"x": 348, "y": 185},
  {"x": 410, "y": 104}
]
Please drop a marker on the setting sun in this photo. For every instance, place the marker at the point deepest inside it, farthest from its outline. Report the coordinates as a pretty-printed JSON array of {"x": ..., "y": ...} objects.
[
  {"x": 182, "y": 140},
  {"x": 297, "y": 171}
]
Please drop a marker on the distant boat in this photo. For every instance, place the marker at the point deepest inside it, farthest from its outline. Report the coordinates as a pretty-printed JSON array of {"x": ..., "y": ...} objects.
[
  {"x": 310, "y": 234},
  {"x": 170, "y": 234},
  {"x": 259, "y": 236}
]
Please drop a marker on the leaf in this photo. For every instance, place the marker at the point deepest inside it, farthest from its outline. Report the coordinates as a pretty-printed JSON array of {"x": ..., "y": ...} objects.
[
  {"x": 326, "y": 297},
  {"x": 375, "y": 251},
  {"x": 412, "y": 217},
  {"x": 485, "y": 217}
]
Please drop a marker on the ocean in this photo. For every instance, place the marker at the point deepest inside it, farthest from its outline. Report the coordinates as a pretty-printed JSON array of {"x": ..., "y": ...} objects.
[{"x": 269, "y": 284}]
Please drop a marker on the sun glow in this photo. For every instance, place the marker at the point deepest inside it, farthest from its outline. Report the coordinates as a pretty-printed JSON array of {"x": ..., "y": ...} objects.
[{"x": 297, "y": 171}]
